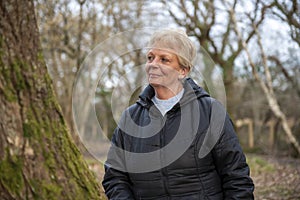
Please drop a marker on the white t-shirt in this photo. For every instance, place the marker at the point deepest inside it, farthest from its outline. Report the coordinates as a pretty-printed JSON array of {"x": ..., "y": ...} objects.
[{"x": 165, "y": 105}]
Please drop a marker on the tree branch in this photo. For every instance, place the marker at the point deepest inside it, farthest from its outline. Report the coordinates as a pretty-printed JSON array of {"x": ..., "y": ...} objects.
[
  {"x": 267, "y": 89},
  {"x": 285, "y": 73}
]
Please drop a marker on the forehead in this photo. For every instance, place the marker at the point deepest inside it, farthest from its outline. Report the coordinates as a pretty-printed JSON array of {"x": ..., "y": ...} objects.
[{"x": 162, "y": 52}]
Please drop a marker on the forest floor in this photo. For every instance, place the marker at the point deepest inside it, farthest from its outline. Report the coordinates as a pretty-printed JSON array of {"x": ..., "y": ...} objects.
[{"x": 275, "y": 178}]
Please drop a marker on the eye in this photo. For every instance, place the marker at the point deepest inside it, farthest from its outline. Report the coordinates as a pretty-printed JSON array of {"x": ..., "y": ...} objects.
[
  {"x": 165, "y": 60},
  {"x": 150, "y": 58}
]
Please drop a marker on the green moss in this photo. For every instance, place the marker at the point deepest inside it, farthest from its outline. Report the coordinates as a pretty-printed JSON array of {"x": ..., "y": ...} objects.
[
  {"x": 40, "y": 127},
  {"x": 13, "y": 77},
  {"x": 27, "y": 130},
  {"x": 79, "y": 194},
  {"x": 40, "y": 56},
  {"x": 85, "y": 179},
  {"x": 259, "y": 165},
  {"x": 9, "y": 95},
  {"x": 46, "y": 190},
  {"x": 35, "y": 130},
  {"x": 17, "y": 66},
  {"x": 2, "y": 51},
  {"x": 8, "y": 90},
  {"x": 49, "y": 160},
  {"x": 31, "y": 127},
  {"x": 1, "y": 45},
  {"x": 51, "y": 190},
  {"x": 11, "y": 174},
  {"x": 50, "y": 101}
]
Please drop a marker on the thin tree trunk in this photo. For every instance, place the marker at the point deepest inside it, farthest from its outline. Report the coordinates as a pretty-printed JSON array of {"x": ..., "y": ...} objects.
[
  {"x": 267, "y": 87},
  {"x": 38, "y": 159}
]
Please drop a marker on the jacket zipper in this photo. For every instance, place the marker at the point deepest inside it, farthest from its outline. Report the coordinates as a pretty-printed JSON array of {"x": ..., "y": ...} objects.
[
  {"x": 162, "y": 156},
  {"x": 162, "y": 142}
]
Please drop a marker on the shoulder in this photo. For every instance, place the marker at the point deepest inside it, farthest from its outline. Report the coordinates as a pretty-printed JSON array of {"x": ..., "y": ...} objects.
[{"x": 135, "y": 113}]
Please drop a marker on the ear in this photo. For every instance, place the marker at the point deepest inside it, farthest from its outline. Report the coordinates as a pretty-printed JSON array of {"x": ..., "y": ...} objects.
[{"x": 183, "y": 72}]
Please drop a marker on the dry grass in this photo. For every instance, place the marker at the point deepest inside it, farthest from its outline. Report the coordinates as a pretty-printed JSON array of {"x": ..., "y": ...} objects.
[{"x": 274, "y": 178}]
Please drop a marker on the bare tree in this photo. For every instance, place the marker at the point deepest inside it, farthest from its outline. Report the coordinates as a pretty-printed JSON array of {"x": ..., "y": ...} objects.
[
  {"x": 289, "y": 12},
  {"x": 293, "y": 79},
  {"x": 38, "y": 159},
  {"x": 67, "y": 36},
  {"x": 265, "y": 80},
  {"x": 70, "y": 34},
  {"x": 209, "y": 22}
]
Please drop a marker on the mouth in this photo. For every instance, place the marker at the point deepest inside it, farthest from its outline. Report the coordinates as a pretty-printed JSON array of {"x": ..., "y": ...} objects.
[{"x": 154, "y": 75}]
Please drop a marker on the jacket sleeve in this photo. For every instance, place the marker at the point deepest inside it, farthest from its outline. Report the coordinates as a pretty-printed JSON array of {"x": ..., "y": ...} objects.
[
  {"x": 116, "y": 182},
  {"x": 231, "y": 165}
]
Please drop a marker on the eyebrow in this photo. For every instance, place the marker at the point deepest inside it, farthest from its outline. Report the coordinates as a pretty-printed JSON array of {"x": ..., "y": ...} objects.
[{"x": 161, "y": 55}]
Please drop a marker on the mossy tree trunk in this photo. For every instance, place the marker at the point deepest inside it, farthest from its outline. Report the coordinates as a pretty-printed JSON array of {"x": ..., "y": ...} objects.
[{"x": 38, "y": 159}]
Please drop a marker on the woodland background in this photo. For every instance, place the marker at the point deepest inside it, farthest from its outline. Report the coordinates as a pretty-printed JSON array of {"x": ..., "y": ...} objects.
[
  {"x": 255, "y": 44},
  {"x": 266, "y": 68}
]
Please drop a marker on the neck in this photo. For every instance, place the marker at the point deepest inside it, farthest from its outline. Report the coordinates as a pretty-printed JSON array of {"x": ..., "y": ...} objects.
[{"x": 165, "y": 93}]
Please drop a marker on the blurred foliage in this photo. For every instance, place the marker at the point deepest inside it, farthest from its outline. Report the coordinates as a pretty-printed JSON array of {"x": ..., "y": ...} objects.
[{"x": 70, "y": 29}]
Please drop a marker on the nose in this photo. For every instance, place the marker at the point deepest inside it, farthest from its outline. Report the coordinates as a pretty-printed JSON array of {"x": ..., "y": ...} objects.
[
  {"x": 153, "y": 64},
  {"x": 155, "y": 60},
  {"x": 152, "y": 67}
]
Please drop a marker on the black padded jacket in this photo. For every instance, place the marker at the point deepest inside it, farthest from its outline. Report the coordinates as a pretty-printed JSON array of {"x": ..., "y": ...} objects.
[{"x": 212, "y": 166}]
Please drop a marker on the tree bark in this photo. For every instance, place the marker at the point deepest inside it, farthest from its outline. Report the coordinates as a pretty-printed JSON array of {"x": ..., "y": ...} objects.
[{"x": 38, "y": 159}]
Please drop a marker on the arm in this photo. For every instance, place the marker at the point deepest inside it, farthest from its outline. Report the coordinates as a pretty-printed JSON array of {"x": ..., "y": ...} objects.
[
  {"x": 116, "y": 183},
  {"x": 231, "y": 165}
]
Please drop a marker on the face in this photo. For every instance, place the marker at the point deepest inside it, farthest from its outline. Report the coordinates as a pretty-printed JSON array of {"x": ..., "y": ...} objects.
[{"x": 163, "y": 69}]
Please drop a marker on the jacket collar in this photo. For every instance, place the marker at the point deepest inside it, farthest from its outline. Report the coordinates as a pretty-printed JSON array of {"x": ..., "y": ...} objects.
[{"x": 191, "y": 91}]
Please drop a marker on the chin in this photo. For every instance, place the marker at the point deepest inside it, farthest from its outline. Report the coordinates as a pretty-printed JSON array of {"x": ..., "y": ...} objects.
[{"x": 155, "y": 84}]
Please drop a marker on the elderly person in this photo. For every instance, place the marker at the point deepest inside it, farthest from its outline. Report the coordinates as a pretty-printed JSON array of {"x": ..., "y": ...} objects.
[{"x": 184, "y": 155}]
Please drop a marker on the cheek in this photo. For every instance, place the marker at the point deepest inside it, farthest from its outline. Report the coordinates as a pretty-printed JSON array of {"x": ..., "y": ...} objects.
[
  {"x": 147, "y": 68},
  {"x": 170, "y": 72}
]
